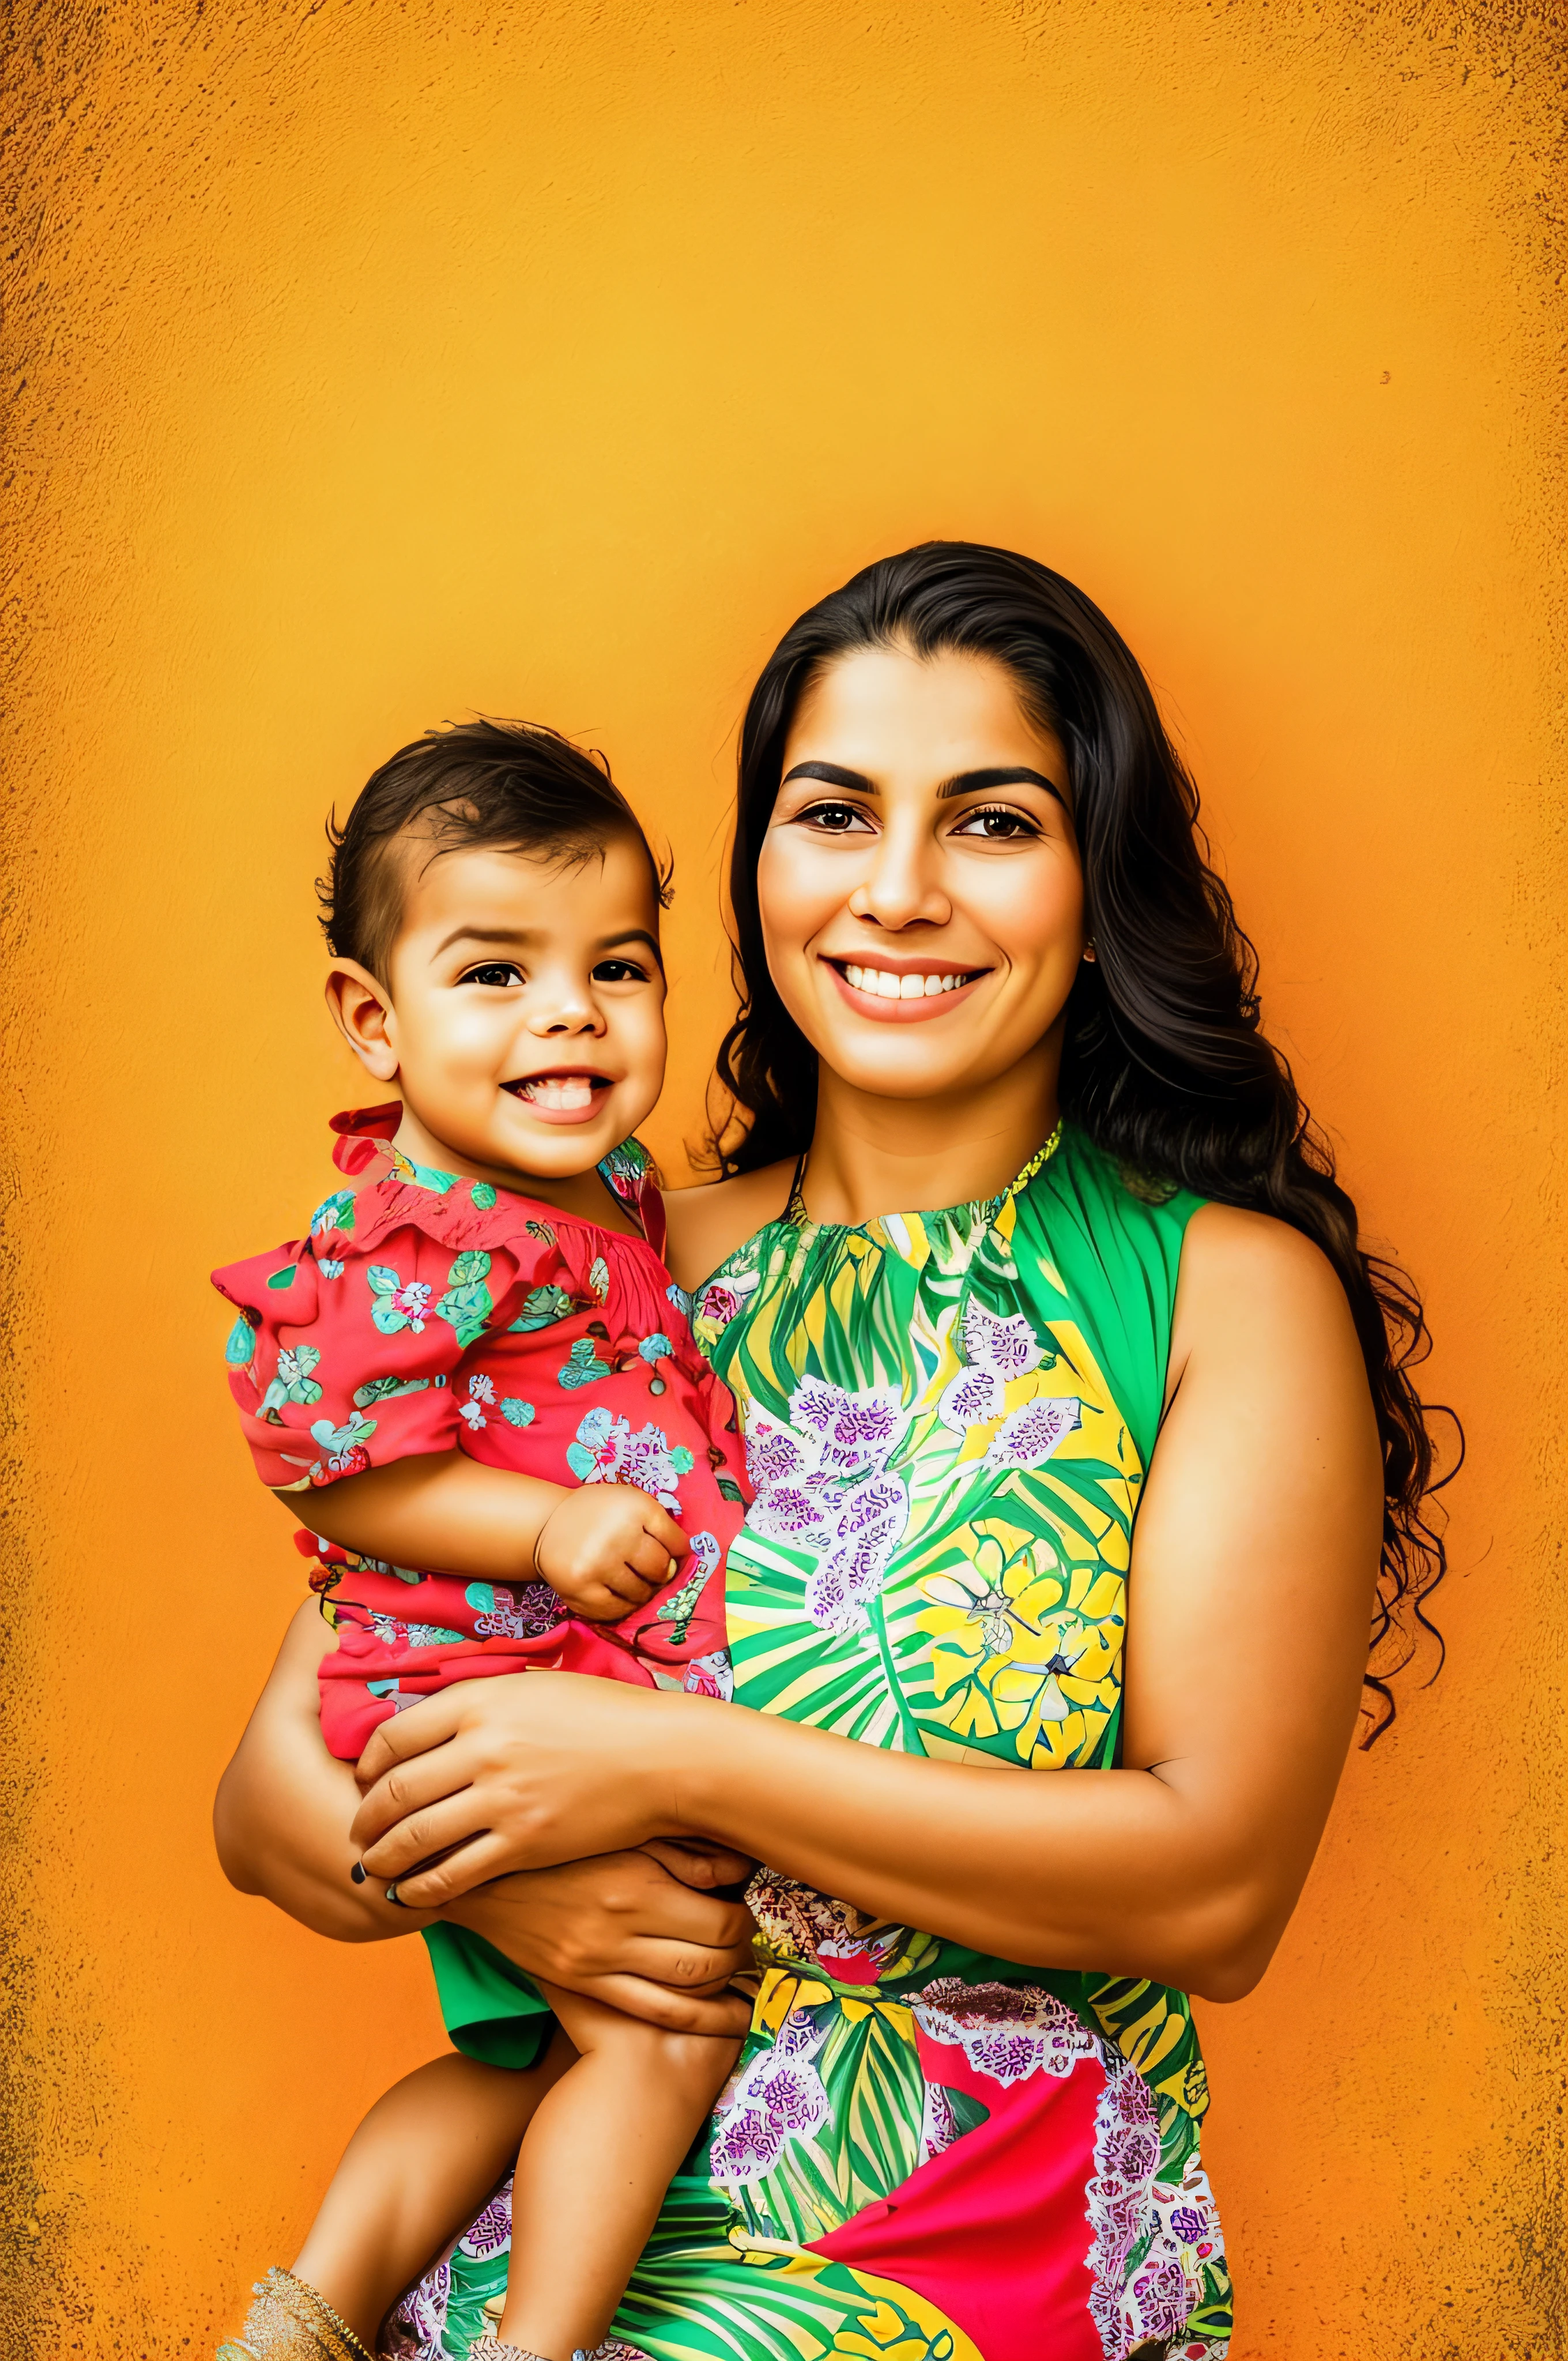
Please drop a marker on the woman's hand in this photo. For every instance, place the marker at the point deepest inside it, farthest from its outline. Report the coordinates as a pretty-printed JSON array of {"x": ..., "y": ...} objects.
[
  {"x": 642, "y": 1930},
  {"x": 520, "y": 1773},
  {"x": 624, "y": 1930}
]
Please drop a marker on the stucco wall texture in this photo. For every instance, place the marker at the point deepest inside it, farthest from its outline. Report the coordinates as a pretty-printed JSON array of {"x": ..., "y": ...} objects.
[{"x": 376, "y": 362}]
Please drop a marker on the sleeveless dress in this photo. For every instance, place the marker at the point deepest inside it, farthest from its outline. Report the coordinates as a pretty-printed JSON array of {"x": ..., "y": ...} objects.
[{"x": 924, "y": 2154}]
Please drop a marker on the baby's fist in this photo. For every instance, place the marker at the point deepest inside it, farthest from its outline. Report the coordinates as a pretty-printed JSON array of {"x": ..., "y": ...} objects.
[{"x": 606, "y": 1548}]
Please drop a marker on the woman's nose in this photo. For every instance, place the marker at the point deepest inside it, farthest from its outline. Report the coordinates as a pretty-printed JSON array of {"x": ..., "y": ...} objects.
[{"x": 902, "y": 883}]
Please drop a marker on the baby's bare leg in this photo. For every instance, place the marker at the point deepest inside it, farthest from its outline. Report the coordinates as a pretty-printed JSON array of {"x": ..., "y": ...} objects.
[
  {"x": 602, "y": 2150},
  {"x": 416, "y": 2172}
]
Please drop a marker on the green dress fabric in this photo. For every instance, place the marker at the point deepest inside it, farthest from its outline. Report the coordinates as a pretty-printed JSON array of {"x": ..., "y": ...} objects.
[
  {"x": 491, "y": 2010},
  {"x": 924, "y": 2154}
]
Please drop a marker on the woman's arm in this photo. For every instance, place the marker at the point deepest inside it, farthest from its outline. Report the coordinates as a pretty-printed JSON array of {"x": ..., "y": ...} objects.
[
  {"x": 1250, "y": 1592},
  {"x": 283, "y": 1784},
  {"x": 624, "y": 1929}
]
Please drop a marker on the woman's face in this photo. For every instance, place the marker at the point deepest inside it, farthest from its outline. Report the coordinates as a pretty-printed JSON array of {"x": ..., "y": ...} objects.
[{"x": 919, "y": 883}]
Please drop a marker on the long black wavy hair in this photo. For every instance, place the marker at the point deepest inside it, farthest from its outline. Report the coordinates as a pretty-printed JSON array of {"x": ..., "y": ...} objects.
[{"x": 1164, "y": 1063}]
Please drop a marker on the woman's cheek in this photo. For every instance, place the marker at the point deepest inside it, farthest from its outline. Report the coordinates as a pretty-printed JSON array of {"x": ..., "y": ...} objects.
[
  {"x": 800, "y": 885},
  {"x": 1034, "y": 911},
  {"x": 795, "y": 905}
]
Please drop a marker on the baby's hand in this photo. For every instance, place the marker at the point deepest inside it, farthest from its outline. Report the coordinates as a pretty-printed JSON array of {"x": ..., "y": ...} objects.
[{"x": 606, "y": 1548}]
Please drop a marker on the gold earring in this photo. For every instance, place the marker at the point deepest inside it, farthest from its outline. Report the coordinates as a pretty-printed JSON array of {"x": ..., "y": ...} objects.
[{"x": 1088, "y": 948}]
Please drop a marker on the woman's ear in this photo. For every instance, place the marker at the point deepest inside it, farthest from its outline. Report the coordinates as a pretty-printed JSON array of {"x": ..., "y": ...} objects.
[{"x": 362, "y": 1010}]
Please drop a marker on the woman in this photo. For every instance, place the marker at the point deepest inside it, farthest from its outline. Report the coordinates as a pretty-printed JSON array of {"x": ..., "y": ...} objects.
[{"x": 1136, "y": 1363}]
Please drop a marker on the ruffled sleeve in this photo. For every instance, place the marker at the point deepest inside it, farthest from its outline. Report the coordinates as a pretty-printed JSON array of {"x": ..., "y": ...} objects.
[{"x": 345, "y": 1344}]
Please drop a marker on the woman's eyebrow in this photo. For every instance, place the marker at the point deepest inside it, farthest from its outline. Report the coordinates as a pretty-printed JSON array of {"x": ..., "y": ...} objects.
[
  {"x": 832, "y": 775},
  {"x": 963, "y": 782},
  {"x": 971, "y": 783}
]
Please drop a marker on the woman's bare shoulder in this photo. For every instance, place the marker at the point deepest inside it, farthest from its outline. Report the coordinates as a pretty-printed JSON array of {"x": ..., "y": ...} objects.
[
  {"x": 1230, "y": 1244},
  {"x": 708, "y": 1222},
  {"x": 1253, "y": 1290}
]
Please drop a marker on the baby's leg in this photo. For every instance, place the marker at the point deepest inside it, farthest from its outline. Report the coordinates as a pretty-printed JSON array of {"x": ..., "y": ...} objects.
[
  {"x": 600, "y": 2153},
  {"x": 418, "y": 2169}
]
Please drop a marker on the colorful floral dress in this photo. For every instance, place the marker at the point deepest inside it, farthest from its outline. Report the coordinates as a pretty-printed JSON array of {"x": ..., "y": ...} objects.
[{"x": 926, "y": 2155}]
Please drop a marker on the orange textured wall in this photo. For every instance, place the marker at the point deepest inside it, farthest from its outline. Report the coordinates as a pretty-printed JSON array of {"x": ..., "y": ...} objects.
[{"x": 375, "y": 363}]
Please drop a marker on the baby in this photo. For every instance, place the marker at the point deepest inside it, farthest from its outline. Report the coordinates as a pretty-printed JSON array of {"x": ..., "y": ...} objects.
[{"x": 493, "y": 1286}]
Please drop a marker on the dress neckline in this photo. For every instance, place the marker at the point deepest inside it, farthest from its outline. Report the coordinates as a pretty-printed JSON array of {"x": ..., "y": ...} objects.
[{"x": 982, "y": 1208}]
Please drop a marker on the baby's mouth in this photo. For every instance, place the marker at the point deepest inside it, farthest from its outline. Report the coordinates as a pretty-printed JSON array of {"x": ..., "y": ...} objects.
[{"x": 559, "y": 1093}]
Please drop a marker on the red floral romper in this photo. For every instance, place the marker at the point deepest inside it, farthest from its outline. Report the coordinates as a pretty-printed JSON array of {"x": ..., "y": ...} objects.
[{"x": 426, "y": 1312}]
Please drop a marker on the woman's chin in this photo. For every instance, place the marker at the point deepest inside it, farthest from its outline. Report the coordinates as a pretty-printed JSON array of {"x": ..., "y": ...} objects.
[{"x": 902, "y": 1066}]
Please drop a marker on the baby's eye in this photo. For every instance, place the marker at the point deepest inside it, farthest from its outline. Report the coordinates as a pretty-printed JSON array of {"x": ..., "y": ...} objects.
[
  {"x": 836, "y": 820},
  {"x": 620, "y": 971},
  {"x": 997, "y": 825},
  {"x": 497, "y": 975}
]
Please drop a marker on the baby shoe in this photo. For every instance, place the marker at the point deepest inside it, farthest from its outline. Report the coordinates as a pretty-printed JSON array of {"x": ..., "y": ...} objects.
[{"x": 290, "y": 2322}]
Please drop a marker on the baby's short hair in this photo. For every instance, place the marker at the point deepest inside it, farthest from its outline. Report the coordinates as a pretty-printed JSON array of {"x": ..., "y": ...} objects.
[{"x": 512, "y": 785}]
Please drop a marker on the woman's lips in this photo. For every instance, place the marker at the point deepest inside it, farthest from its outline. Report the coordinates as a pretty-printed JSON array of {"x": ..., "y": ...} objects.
[
  {"x": 562, "y": 1098},
  {"x": 941, "y": 989}
]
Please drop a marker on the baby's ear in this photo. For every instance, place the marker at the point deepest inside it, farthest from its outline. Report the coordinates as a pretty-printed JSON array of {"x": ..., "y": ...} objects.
[{"x": 361, "y": 1008}]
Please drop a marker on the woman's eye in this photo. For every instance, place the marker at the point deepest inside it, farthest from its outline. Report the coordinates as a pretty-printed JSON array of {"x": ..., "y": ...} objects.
[
  {"x": 620, "y": 971},
  {"x": 998, "y": 826},
  {"x": 495, "y": 973},
  {"x": 836, "y": 820}
]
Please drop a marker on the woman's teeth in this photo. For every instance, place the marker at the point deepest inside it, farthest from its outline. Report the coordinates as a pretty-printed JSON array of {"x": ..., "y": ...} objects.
[
  {"x": 567, "y": 1094},
  {"x": 882, "y": 983}
]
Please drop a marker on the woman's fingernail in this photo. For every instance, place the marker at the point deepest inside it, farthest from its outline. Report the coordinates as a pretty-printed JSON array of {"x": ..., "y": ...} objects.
[
  {"x": 393, "y": 1895},
  {"x": 357, "y": 1872}
]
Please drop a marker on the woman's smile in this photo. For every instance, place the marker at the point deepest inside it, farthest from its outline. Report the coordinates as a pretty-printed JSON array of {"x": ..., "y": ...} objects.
[{"x": 903, "y": 992}]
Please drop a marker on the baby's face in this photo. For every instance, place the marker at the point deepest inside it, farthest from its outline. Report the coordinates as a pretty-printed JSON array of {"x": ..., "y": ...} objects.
[{"x": 528, "y": 1006}]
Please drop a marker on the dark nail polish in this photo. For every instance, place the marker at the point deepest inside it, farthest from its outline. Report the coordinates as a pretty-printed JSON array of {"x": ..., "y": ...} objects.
[{"x": 357, "y": 1872}]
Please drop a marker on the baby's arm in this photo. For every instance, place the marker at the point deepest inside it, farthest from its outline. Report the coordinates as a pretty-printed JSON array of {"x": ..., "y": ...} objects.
[{"x": 603, "y": 1548}]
